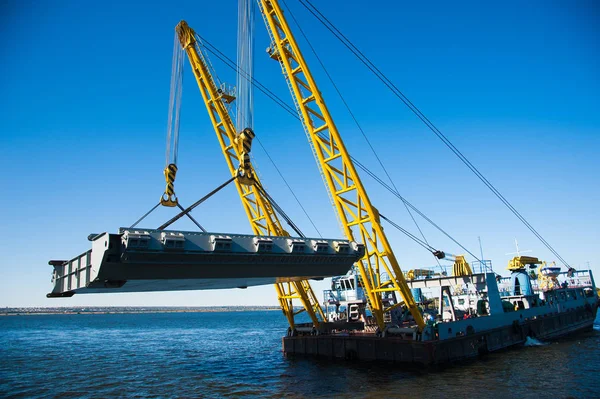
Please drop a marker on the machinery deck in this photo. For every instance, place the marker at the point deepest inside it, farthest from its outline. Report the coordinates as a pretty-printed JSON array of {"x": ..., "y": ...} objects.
[{"x": 140, "y": 260}]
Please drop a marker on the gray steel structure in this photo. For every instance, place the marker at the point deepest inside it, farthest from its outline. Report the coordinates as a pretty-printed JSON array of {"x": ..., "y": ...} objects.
[{"x": 141, "y": 260}]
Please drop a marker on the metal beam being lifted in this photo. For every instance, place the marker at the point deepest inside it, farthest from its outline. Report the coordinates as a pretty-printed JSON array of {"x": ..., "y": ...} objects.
[{"x": 141, "y": 260}]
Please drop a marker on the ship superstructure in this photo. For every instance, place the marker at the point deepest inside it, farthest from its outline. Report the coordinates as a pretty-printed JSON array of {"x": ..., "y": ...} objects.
[{"x": 465, "y": 316}]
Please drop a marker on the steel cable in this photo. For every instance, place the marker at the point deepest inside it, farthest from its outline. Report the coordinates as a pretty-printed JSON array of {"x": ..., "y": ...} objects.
[
  {"x": 269, "y": 93},
  {"x": 232, "y": 65},
  {"x": 195, "y": 204},
  {"x": 388, "y": 83},
  {"x": 356, "y": 122}
]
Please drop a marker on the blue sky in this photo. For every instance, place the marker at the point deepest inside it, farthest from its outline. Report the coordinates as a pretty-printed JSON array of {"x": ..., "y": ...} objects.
[{"x": 84, "y": 104}]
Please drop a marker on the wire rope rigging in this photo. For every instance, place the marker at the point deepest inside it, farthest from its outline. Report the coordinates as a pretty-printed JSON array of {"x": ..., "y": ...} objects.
[
  {"x": 358, "y": 125},
  {"x": 245, "y": 47},
  {"x": 413, "y": 108},
  {"x": 247, "y": 77},
  {"x": 290, "y": 110},
  {"x": 169, "y": 198}
]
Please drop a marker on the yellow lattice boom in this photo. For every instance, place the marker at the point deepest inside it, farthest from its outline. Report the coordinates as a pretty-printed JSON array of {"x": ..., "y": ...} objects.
[
  {"x": 236, "y": 148},
  {"x": 360, "y": 219}
]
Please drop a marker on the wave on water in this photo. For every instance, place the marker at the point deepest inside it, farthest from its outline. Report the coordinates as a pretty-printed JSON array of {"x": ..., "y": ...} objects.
[
  {"x": 530, "y": 341},
  {"x": 218, "y": 354}
]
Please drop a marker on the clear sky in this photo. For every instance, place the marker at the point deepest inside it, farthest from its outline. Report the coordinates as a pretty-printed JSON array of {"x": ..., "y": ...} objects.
[{"x": 84, "y": 103}]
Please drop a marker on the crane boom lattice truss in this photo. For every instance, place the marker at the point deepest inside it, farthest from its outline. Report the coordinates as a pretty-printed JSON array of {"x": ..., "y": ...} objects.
[
  {"x": 360, "y": 219},
  {"x": 259, "y": 210}
]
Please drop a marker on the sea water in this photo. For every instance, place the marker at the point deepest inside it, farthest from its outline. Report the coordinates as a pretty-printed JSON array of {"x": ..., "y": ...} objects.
[{"x": 238, "y": 354}]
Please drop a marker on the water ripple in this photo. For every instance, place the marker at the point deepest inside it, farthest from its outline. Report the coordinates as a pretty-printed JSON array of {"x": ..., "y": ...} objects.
[{"x": 213, "y": 355}]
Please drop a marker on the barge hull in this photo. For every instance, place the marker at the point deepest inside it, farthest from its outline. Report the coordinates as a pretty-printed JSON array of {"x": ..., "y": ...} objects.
[{"x": 430, "y": 353}]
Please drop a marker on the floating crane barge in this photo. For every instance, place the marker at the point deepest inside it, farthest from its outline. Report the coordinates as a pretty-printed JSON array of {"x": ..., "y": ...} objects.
[
  {"x": 379, "y": 312},
  {"x": 509, "y": 315}
]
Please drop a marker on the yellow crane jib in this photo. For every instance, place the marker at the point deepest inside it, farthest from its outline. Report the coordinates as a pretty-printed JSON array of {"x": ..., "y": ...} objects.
[
  {"x": 260, "y": 212},
  {"x": 359, "y": 218},
  {"x": 169, "y": 198}
]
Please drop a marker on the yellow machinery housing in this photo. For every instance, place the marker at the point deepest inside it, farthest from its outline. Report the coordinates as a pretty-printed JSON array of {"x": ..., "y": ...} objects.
[
  {"x": 461, "y": 267},
  {"x": 521, "y": 262}
]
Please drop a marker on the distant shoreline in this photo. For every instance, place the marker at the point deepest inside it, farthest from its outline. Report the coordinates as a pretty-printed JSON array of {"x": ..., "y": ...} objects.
[{"x": 130, "y": 310}]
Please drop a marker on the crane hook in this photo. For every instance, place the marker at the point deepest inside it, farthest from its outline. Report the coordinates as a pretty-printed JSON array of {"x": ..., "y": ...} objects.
[
  {"x": 245, "y": 170},
  {"x": 169, "y": 198}
]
